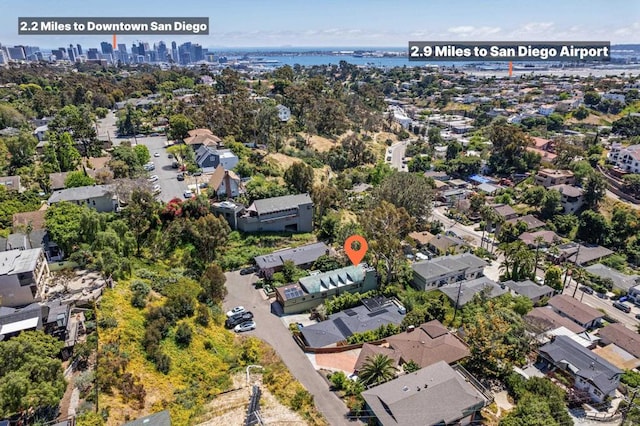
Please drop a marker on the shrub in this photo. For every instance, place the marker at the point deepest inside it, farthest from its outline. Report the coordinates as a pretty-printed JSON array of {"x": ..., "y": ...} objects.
[
  {"x": 163, "y": 362},
  {"x": 203, "y": 316},
  {"x": 184, "y": 334},
  {"x": 338, "y": 380},
  {"x": 107, "y": 322}
]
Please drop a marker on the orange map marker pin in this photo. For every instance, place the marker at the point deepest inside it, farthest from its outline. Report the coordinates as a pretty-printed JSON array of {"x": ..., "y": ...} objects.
[{"x": 355, "y": 255}]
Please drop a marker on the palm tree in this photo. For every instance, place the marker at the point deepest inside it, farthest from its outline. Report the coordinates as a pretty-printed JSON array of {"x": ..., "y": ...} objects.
[
  {"x": 377, "y": 369},
  {"x": 539, "y": 239}
]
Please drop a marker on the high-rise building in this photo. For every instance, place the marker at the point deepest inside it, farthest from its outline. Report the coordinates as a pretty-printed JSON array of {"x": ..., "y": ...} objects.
[
  {"x": 106, "y": 48},
  {"x": 71, "y": 53},
  {"x": 122, "y": 47},
  {"x": 134, "y": 50},
  {"x": 141, "y": 49},
  {"x": 16, "y": 53},
  {"x": 79, "y": 49},
  {"x": 93, "y": 53},
  {"x": 162, "y": 51},
  {"x": 174, "y": 52}
]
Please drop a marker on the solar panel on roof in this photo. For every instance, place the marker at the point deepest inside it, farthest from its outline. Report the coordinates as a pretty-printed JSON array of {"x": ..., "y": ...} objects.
[
  {"x": 350, "y": 312},
  {"x": 376, "y": 313},
  {"x": 344, "y": 329}
]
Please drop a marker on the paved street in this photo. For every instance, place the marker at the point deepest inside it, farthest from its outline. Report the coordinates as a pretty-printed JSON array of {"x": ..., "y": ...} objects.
[
  {"x": 171, "y": 187},
  {"x": 594, "y": 301},
  {"x": 396, "y": 152},
  {"x": 270, "y": 328}
]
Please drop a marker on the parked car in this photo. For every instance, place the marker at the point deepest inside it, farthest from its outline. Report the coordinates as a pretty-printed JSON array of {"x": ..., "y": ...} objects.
[
  {"x": 175, "y": 165},
  {"x": 236, "y": 319},
  {"x": 153, "y": 178},
  {"x": 638, "y": 316},
  {"x": 180, "y": 176},
  {"x": 188, "y": 193},
  {"x": 236, "y": 310},
  {"x": 156, "y": 189},
  {"x": 622, "y": 306},
  {"x": 586, "y": 289},
  {"x": 198, "y": 173},
  {"x": 249, "y": 270},
  {"x": 170, "y": 156},
  {"x": 245, "y": 326}
]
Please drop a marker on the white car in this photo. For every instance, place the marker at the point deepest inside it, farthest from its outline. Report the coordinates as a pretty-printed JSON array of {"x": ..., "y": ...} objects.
[
  {"x": 156, "y": 189},
  {"x": 157, "y": 154},
  {"x": 245, "y": 326},
  {"x": 188, "y": 193},
  {"x": 236, "y": 310},
  {"x": 153, "y": 178}
]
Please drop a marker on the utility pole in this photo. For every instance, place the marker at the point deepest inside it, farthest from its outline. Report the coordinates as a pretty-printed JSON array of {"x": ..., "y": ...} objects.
[
  {"x": 455, "y": 312},
  {"x": 566, "y": 274}
]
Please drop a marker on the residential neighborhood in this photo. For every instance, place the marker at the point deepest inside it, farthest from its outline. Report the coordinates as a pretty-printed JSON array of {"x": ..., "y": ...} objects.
[{"x": 199, "y": 236}]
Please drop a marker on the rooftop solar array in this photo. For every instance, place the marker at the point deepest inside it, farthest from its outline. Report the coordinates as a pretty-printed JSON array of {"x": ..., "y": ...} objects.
[{"x": 292, "y": 293}]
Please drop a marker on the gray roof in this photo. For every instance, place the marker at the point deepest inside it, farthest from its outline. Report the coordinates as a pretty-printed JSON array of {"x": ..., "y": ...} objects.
[
  {"x": 588, "y": 252},
  {"x": 18, "y": 261},
  {"x": 531, "y": 221},
  {"x": 299, "y": 255},
  {"x": 568, "y": 190},
  {"x": 620, "y": 280},
  {"x": 343, "y": 324},
  {"x": 161, "y": 418},
  {"x": 470, "y": 288},
  {"x": 81, "y": 193},
  {"x": 436, "y": 394},
  {"x": 35, "y": 310},
  {"x": 286, "y": 202},
  {"x": 583, "y": 363},
  {"x": 439, "y": 266},
  {"x": 529, "y": 289}
]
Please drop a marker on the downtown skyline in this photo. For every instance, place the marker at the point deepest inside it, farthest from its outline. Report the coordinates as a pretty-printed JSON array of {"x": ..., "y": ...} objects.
[{"x": 361, "y": 23}]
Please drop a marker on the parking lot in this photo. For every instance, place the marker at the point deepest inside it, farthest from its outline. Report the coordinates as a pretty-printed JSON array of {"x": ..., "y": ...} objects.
[{"x": 171, "y": 186}]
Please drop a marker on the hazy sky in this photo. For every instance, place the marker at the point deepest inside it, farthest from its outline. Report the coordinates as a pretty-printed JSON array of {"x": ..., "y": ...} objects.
[{"x": 252, "y": 23}]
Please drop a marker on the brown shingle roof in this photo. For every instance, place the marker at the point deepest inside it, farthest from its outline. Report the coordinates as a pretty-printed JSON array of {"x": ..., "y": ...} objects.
[
  {"x": 369, "y": 351},
  {"x": 574, "y": 309},
  {"x": 36, "y": 219},
  {"x": 203, "y": 139},
  {"x": 201, "y": 131},
  {"x": 428, "y": 344},
  {"x": 421, "y": 238},
  {"x": 546, "y": 319},
  {"x": 623, "y": 337}
]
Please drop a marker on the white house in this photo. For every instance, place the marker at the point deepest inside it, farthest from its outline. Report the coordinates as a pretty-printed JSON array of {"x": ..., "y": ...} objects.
[
  {"x": 546, "y": 110},
  {"x": 284, "y": 113},
  {"x": 23, "y": 275},
  {"x": 571, "y": 197},
  {"x": 625, "y": 158}
]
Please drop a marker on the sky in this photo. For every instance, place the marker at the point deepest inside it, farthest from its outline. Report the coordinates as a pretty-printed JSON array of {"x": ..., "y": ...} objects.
[{"x": 389, "y": 23}]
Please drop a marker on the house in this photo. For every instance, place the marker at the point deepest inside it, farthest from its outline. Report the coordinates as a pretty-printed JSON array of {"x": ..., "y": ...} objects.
[
  {"x": 434, "y": 273},
  {"x": 579, "y": 254},
  {"x": 620, "y": 281},
  {"x": 544, "y": 148},
  {"x": 463, "y": 292},
  {"x": 571, "y": 197},
  {"x": 530, "y": 290},
  {"x": 583, "y": 315},
  {"x": 626, "y": 158},
  {"x": 435, "y": 395},
  {"x": 284, "y": 113},
  {"x": 531, "y": 221},
  {"x": 161, "y": 418},
  {"x": 505, "y": 211},
  {"x": 543, "y": 319},
  {"x": 372, "y": 314},
  {"x": 202, "y": 137},
  {"x": 99, "y": 197},
  {"x": 41, "y": 132},
  {"x": 425, "y": 344},
  {"x": 209, "y": 158},
  {"x": 546, "y": 110},
  {"x": 617, "y": 356},
  {"x": 548, "y": 238},
  {"x": 226, "y": 183},
  {"x": 34, "y": 239},
  {"x": 313, "y": 290},
  {"x": 591, "y": 373},
  {"x": 444, "y": 244},
  {"x": 11, "y": 183},
  {"x": 302, "y": 257},
  {"x": 57, "y": 180},
  {"x": 454, "y": 196},
  {"x": 621, "y": 336},
  {"x": 634, "y": 294},
  {"x": 35, "y": 219},
  {"x": 23, "y": 276},
  {"x": 289, "y": 213},
  {"x": 551, "y": 177}
]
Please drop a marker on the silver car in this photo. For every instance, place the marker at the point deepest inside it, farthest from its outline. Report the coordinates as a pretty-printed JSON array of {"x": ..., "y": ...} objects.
[{"x": 245, "y": 326}]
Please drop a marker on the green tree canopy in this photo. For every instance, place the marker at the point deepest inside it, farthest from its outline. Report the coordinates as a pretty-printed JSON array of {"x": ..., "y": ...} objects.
[
  {"x": 78, "y": 178},
  {"x": 299, "y": 177},
  {"x": 30, "y": 373}
]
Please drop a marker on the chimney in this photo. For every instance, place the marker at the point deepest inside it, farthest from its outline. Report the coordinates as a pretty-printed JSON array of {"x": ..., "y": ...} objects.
[{"x": 227, "y": 183}]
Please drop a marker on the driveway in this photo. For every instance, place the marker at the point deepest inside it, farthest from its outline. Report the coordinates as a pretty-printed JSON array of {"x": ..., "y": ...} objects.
[
  {"x": 396, "y": 153},
  {"x": 270, "y": 328},
  {"x": 171, "y": 186}
]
